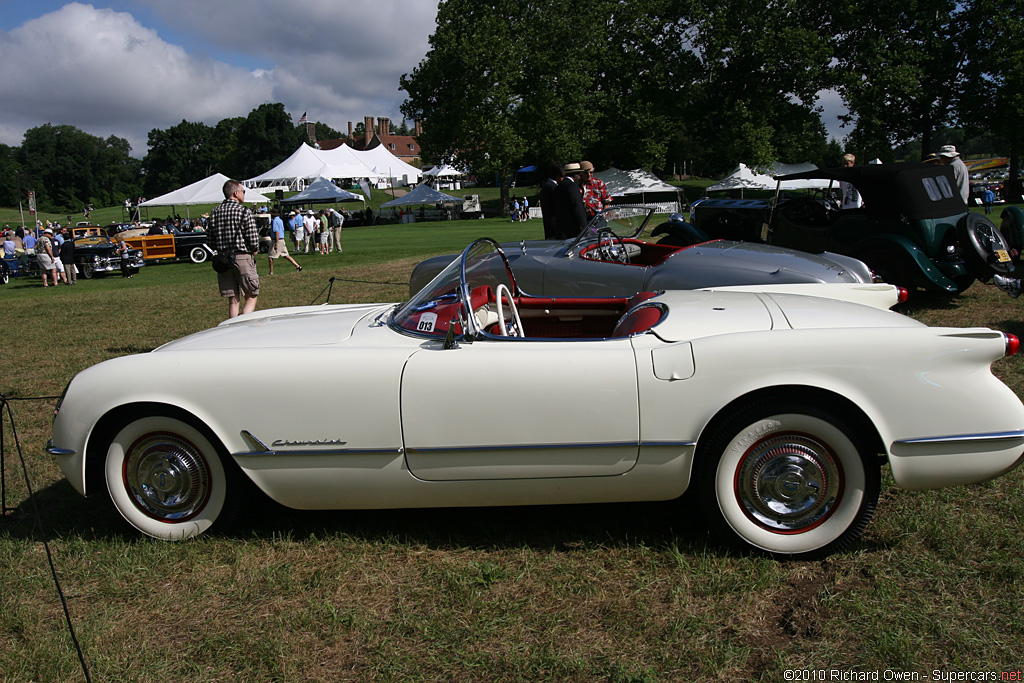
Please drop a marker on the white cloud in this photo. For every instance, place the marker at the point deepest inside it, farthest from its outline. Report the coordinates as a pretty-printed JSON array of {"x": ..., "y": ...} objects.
[{"x": 105, "y": 73}]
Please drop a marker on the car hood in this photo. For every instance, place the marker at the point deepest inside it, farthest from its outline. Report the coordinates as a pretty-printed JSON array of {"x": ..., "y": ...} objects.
[
  {"x": 706, "y": 314},
  {"x": 303, "y": 326},
  {"x": 789, "y": 265}
]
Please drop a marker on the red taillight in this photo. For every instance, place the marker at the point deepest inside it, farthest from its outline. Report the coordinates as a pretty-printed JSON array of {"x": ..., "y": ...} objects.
[
  {"x": 902, "y": 295},
  {"x": 1012, "y": 343}
]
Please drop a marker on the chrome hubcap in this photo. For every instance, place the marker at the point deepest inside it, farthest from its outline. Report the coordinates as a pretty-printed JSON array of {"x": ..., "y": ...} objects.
[
  {"x": 789, "y": 483},
  {"x": 167, "y": 477}
]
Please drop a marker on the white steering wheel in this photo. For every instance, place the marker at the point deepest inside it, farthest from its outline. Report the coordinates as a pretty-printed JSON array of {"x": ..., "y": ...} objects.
[{"x": 515, "y": 327}]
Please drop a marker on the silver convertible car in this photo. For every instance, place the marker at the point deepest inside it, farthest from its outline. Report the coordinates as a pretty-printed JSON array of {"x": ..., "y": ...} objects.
[
  {"x": 614, "y": 256},
  {"x": 775, "y": 410}
]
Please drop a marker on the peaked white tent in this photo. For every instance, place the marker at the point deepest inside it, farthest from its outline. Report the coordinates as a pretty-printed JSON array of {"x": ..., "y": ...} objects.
[
  {"x": 444, "y": 171},
  {"x": 307, "y": 163},
  {"x": 638, "y": 181},
  {"x": 206, "y": 191},
  {"x": 744, "y": 178},
  {"x": 387, "y": 164}
]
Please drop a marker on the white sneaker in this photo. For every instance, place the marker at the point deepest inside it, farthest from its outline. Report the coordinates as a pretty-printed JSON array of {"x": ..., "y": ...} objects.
[{"x": 1010, "y": 285}]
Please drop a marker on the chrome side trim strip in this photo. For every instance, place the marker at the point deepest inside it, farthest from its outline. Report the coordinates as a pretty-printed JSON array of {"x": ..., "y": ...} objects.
[
  {"x": 344, "y": 451},
  {"x": 524, "y": 447},
  {"x": 261, "y": 449},
  {"x": 1017, "y": 435}
]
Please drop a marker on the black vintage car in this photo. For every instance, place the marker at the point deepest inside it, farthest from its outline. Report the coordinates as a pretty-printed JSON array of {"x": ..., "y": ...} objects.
[
  {"x": 914, "y": 229},
  {"x": 96, "y": 254}
]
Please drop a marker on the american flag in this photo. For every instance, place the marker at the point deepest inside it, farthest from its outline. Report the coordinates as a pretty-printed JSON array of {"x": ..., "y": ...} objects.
[{"x": 302, "y": 119}]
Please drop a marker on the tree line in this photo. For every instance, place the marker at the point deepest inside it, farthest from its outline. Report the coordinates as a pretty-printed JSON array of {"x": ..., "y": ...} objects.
[
  {"x": 69, "y": 169},
  {"x": 700, "y": 85}
]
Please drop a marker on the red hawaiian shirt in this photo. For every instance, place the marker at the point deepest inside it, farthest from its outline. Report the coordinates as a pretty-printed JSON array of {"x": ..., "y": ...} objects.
[{"x": 595, "y": 196}]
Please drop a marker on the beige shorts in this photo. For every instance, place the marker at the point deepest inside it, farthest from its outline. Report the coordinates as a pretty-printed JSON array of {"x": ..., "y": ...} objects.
[
  {"x": 278, "y": 250},
  {"x": 45, "y": 262},
  {"x": 242, "y": 279}
]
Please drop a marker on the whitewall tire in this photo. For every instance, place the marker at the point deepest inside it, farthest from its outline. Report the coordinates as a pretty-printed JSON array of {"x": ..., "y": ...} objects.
[
  {"x": 165, "y": 478},
  {"x": 790, "y": 480}
]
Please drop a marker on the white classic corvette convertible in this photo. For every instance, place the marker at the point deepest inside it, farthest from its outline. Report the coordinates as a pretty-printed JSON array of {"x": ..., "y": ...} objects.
[{"x": 775, "y": 409}]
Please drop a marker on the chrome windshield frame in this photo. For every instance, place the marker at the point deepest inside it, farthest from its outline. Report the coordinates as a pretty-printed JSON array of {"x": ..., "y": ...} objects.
[{"x": 600, "y": 220}]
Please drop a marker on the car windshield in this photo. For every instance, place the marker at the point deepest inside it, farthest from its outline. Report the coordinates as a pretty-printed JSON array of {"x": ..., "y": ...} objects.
[
  {"x": 479, "y": 273},
  {"x": 623, "y": 221}
]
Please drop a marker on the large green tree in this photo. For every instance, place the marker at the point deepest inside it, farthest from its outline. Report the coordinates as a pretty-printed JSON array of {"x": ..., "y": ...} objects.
[
  {"x": 508, "y": 81},
  {"x": 178, "y": 156},
  {"x": 646, "y": 83},
  {"x": 12, "y": 186},
  {"x": 899, "y": 67},
  {"x": 993, "y": 97},
  {"x": 69, "y": 169},
  {"x": 761, "y": 65},
  {"x": 266, "y": 138}
]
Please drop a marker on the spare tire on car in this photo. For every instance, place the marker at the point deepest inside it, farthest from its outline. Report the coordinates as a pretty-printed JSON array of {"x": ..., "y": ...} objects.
[{"x": 984, "y": 247}]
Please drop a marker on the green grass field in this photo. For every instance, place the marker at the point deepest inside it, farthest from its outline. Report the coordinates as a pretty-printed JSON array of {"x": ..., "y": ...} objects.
[{"x": 618, "y": 593}]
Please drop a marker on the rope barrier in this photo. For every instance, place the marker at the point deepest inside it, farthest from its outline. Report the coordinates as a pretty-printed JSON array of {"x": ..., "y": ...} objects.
[
  {"x": 5, "y": 405},
  {"x": 330, "y": 286}
]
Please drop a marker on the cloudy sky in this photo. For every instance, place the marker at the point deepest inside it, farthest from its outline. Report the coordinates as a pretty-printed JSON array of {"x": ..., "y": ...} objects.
[{"x": 124, "y": 67}]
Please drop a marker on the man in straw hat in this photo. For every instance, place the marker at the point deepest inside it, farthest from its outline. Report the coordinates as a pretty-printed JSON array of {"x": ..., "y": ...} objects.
[{"x": 570, "y": 213}]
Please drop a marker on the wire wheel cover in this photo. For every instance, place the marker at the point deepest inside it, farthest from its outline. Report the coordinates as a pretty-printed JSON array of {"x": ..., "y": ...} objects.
[
  {"x": 167, "y": 477},
  {"x": 788, "y": 483}
]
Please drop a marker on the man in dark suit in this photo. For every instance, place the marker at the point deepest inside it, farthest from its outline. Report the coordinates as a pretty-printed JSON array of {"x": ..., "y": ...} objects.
[
  {"x": 570, "y": 213},
  {"x": 547, "y": 201}
]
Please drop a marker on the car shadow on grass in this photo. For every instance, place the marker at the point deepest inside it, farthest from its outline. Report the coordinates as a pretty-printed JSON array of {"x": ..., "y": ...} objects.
[{"x": 65, "y": 514}]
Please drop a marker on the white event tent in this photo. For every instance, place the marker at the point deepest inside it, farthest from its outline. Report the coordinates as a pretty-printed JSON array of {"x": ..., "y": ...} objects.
[
  {"x": 206, "y": 191},
  {"x": 638, "y": 181},
  {"x": 388, "y": 165},
  {"x": 746, "y": 178},
  {"x": 307, "y": 163},
  {"x": 444, "y": 171}
]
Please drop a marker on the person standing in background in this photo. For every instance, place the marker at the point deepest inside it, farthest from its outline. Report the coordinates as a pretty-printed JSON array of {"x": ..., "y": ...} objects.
[{"x": 232, "y": 230}]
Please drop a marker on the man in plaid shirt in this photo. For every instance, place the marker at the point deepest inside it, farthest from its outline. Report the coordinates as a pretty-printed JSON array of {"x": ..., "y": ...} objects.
[{"x": 231, "y": 229}]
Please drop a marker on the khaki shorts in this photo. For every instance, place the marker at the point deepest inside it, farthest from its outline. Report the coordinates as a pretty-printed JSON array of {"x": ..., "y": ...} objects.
[
  {"x": 278, "y": 250},
  {"x": 45, "y": 262},
  {"x": 242, "y": 279}
]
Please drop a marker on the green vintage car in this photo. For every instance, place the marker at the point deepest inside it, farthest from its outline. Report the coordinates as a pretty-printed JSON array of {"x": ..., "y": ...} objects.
[{"x": 914, "y": 229}]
